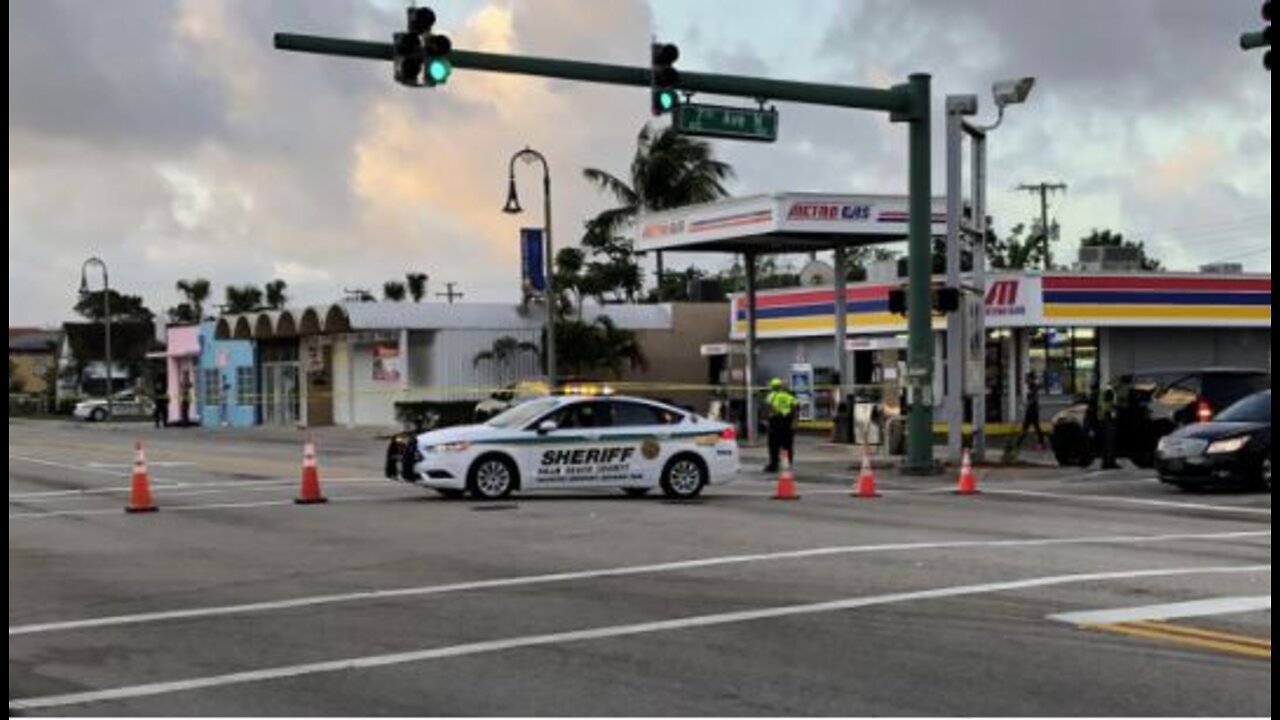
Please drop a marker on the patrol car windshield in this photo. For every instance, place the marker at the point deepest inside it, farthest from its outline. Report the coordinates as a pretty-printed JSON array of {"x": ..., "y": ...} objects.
[
  {"x": 520, "y": 416},
  {"x": 1256, "y": 409}
]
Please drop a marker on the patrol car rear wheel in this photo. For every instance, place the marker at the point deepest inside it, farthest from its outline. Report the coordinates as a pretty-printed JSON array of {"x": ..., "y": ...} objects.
[
  {"x": 685, "y": 478},
  {"x": 492, "y": 478}
]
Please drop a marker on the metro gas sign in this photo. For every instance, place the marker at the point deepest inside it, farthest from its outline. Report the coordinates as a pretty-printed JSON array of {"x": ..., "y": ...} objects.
[{"x": 828, "y": 212}]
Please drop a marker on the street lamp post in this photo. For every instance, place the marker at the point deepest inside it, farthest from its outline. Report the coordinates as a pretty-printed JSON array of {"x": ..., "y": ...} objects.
[
  {"x": 960, "y": 107},
  {"x": 531, "y": 156},
  {"x": 106, "y": 319}
]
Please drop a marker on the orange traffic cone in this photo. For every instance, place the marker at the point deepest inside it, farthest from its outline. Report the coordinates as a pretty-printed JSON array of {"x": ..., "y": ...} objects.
[
  {"x": 140, "y": 500},
  {"x": 968, "y": 481},
  {"x": 786, "y": 481},
  {"x": 866, "y": 489},
  {"x": 310, "y": 494}
]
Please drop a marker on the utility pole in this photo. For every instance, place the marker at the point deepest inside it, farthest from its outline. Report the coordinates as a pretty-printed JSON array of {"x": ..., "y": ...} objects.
[
  {"x": 451, "y": 295},
  {"x": 1044, "y": 190}
]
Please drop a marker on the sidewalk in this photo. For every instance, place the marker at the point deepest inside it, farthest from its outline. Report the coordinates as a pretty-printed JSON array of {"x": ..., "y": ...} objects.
[{"x": 818, "y": 450}]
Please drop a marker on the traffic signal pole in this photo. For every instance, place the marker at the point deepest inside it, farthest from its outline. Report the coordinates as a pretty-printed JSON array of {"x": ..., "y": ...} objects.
[{"x": 910, "y": 103}]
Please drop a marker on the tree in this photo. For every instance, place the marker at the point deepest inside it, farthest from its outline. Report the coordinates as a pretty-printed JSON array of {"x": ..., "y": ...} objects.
[
  {"x": 417, "y": 285},
  {"x": 276, "y": 296},
  {"x": 124, "y": 308},
  {"x": 1016, "y": 252},
  {"x": 1109, "y": 239},
  {"x": 598, "y": 347},
  {"x": 669, "y": 171},
  {"x": 183, "y": 314},
  {"x": 394, "y": 292},
  {"x": 242, "y": 300},
  {"x": 504, "y": 354},
  {"x": 15, "y": 382},
  {"x": 197, "y": 293}
]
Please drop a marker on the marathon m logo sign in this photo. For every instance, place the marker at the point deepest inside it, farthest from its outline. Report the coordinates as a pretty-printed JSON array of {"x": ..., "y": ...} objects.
[{"x": 1003, "y": 299}]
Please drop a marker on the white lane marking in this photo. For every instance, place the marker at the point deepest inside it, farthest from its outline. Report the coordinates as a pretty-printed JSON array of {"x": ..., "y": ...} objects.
[
  {"x": 603, "y": 633},
  {"x": 53, "y": 495},
  {"x": 65, "y": 466},
  {"x": 122, "y": 467},
  {"x": 185, "y": 508},
  {"x": 1178, "y": 611},
  {"x": 188, "y": 489},
  {"x": 1140, "y": 502},
  {"x": 632, "y": 571}
]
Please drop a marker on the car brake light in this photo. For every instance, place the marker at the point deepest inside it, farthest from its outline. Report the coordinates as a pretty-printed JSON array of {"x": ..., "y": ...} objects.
[
  {"x": 729, "y": 435},
  {"x": 1204, "y": 412}
]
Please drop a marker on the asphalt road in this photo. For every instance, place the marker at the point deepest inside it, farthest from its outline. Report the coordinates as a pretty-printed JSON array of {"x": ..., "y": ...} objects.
[{"x": 232, "y": 601}]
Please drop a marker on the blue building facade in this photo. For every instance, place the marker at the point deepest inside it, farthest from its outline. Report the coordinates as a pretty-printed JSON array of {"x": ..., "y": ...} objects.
[{"x": 228, "y": 384}]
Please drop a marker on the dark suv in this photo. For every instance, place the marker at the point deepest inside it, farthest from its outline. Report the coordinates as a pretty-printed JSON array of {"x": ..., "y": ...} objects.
[{"x": 1150, "y": 406}]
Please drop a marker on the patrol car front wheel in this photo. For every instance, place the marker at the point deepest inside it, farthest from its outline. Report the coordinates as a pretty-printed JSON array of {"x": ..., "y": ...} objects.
[
  {"x": 685, "y": 478},
  {"x": 492, "y": 478}
]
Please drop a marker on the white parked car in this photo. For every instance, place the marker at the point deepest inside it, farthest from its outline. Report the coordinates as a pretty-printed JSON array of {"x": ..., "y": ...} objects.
[
  {"x": 578, "y": 443},
  {"x": 127, "y": 404}
]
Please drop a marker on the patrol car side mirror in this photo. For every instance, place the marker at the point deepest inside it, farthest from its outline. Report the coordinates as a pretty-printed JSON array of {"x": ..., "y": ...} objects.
[{"x": 548, "y": 427}]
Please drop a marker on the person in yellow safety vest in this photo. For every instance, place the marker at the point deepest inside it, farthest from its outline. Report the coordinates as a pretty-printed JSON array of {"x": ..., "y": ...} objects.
[
  {"x": 1108, "y": 417},
  {"x": 782, "y": 405}
]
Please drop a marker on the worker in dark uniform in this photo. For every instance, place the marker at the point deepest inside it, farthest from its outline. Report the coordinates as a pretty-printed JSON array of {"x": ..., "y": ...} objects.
[
  {"x": 1031, "y": 422},
  {"x": 1108, "y": 418},
  {"x": 160, "y": 411},
  {"x": 782, "y": 405}
]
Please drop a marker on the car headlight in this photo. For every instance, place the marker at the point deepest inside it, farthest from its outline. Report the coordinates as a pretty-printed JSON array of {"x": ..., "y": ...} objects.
[
  {"x": 449, "y": 448},
  {"x": 1228, "y": 447}
]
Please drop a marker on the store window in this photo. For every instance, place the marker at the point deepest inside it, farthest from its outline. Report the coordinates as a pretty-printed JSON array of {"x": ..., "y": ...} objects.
[
  {"x": 246, "y": 386},
  {"x": 1065, "y": 359},
  {"x": 212, "y": 388}
]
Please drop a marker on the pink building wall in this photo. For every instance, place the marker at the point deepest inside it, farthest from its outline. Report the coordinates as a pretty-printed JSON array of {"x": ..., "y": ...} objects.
[{"x": 183, "y": 358}]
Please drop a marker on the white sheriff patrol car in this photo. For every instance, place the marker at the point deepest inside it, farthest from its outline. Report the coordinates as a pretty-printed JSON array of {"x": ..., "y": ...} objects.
[{"x": 573, "y": 443}]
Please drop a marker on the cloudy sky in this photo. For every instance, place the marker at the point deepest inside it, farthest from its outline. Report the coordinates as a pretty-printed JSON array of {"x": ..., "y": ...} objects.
[{"x": 167, "y": 137}]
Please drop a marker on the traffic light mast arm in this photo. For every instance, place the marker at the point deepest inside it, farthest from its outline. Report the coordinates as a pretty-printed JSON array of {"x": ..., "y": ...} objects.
[{"x": 897, "y": 100}]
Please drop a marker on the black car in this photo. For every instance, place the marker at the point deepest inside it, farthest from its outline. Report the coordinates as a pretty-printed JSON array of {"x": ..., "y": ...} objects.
[
  {"x": 1234, "y": 449},
  {"x": 1151, "y": 406}
]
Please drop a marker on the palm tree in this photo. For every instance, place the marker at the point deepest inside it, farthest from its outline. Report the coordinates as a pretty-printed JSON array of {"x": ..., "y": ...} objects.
[
  {"x": 242, "y": 300},
  {"x": 394, "y": 292},
  {"x": 197, "y": 293},
  {"x": 669, "y": 171},
  {"x": 618, "y": 347},
  {"x": 600, "y": 346},
  {"x": 504, "y": 354},
  {"x": 417, "y": 284},
  {"x": 275, "y": 294}
]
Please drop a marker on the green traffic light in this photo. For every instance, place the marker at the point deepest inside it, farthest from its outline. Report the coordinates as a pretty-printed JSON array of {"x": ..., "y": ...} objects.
[
  {"x": 439, "y": 71},
  {"x": 667, "y": 100}
]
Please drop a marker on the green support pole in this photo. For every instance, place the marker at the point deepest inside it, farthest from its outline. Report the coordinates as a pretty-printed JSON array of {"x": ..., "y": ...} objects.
[{"x": 920, "y": 302}]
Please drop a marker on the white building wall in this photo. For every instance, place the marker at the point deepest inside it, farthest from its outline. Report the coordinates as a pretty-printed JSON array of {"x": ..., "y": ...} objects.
[{"x": 454, "y": 375}]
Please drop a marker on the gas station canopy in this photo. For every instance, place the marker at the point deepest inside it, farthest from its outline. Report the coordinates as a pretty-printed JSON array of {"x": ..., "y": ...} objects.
[
  {"x": 783, "y": 223},
  {"x": 786, "y": 223}
]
